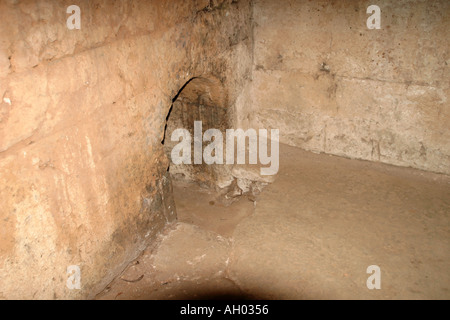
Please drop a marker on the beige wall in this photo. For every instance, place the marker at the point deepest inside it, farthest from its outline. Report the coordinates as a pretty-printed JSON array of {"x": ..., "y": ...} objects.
[
  {"x": 332, "y": 85},
  {"x": 82, "y": 117}
]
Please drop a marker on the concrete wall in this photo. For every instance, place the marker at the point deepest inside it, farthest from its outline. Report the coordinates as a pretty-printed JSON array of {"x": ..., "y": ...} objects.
[
  {"x": 332, "y": 85},
  {"x": 82, "y": 115}
]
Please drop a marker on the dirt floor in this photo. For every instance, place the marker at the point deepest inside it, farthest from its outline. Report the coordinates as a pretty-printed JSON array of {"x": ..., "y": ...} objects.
[{"x": 311, "y": 234}]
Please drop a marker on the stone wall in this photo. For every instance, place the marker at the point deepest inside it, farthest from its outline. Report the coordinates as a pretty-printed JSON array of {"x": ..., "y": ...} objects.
[
  {"x": 82, "y": 114},
  {"x": 332, "y": 85}
]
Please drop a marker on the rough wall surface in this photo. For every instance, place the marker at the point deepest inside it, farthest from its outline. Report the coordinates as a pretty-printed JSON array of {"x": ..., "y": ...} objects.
[
  {"x": 332, "y": 85},
  {"x": 82, "y": 115}
]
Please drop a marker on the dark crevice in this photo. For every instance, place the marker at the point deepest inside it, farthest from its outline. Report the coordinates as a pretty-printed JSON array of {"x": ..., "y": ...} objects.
[
  {"x": 182, "y": 88},
  {"x": 171, "y": 107}
]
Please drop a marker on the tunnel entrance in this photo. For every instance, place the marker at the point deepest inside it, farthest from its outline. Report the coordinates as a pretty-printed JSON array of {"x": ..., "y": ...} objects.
[
  {"x": 204, "y": 192},
  {"x": 199, "y": 100},
  {"x": 206, "y": 195}
]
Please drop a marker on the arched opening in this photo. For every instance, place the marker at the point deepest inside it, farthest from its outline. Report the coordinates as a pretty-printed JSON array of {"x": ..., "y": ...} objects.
[
  {"x": 203, "y": 193},
  {"x": 213, "y": 196},
  {"x": 202, "y": 100}
]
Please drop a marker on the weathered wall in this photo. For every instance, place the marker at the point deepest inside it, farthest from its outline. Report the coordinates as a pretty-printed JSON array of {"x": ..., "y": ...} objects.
[
  {"x": 332, "y": 85},
  {"x": 82, "y": 116}
]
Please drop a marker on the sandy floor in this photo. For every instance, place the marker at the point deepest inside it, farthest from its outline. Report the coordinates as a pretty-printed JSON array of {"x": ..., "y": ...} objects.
[{"x": 310, "y": 235}]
